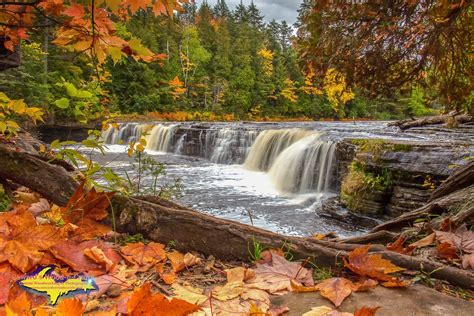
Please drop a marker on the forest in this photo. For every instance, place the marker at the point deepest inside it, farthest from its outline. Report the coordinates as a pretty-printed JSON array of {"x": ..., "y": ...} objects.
[
  {"x": 180, "y": 157},
  {"x": 212, "y": 59}
]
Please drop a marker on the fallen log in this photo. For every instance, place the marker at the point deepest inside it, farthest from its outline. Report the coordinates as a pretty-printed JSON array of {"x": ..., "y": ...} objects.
[
  {"x": 190, "y": 230},
  {"x": 460, "y": 179},
  {"x": 51, "y": 181},
  {"x": 433, "y": 120},
  {"x": 439, "y": 206}
]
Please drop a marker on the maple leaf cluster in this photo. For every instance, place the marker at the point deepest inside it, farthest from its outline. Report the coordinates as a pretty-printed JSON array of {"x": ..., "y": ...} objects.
[
  {"x": 87, "y": 28},
  {"x": 447, "y": 243},
  {"x": 74, "y": 239}
]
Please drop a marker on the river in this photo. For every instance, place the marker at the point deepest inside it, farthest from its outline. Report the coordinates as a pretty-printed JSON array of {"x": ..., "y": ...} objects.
[{"x": 271, "y": 175}]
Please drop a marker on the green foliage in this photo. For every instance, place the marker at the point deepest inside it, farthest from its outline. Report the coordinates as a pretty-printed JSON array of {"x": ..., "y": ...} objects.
[
  {"x": 359, "y": 183},
  {"x": 416, "y": 103},
  {"x": 4, "y": 200},
  {"x": 255, "y": 249}
]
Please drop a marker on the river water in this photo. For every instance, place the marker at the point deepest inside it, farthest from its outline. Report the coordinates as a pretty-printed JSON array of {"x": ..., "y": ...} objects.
[{"x": 271, "y": 175}]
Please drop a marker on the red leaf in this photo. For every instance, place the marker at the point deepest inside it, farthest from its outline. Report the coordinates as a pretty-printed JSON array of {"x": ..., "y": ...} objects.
[{"x": 366, "y": 311}]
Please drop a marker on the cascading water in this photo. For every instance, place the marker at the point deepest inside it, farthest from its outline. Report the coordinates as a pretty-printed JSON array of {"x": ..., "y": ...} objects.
[
  {"x": 269, "y": 144},
  {"x": 230, "y": 145},
  {"x": 160, "y": 138},
  {"x": 304, "y": 167},
  {"x": 296, "y": 160}
]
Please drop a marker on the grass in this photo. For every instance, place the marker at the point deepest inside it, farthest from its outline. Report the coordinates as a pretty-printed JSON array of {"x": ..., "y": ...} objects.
[{"x": 255, "y": 249}]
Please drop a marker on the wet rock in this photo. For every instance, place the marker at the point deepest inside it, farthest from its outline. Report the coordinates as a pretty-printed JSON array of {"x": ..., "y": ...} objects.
[
  {"x": 409, "y": 171},
  {"x": 415, "y": 300},
  {"x": 114, "y": 290}
]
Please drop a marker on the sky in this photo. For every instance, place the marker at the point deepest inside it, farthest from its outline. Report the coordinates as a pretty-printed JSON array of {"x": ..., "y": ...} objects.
[{"x": 272, "y": 9}]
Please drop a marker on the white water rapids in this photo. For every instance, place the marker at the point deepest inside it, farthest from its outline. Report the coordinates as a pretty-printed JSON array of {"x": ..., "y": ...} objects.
[{"x": 271, "y": 176}]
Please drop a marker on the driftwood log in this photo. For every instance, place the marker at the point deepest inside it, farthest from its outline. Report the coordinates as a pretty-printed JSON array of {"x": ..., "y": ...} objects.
[
  {"x": 165, "y": 221},
  {"x": 460, "y": 179},
  {"x": 439, "y": 206},
  {"x": 191, "y": 230},
  {"x": 433, "y": 120}
]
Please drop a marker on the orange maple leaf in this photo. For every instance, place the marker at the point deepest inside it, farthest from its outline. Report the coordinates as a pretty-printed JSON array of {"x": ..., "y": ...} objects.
[
  {"x": 143, "y": 301},
  {"x": 87, "y": 204},
  {"x": 397, "y": 246},
  {"x": 145, "y": 256},
  {"x": 366, "y": 311},
  {"x": 336, "y": 289},
  {"x": 70, "y": 307},
  {"x": 19, "y": 305},
  {"x": 23, "y": 243},
  {"x": 72, "y": 254},
  {"x": 177, "y": 260},
  {"x": 372, "y": 265}
]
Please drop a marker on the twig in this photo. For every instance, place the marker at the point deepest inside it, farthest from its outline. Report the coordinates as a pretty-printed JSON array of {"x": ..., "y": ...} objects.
[{"x": 161, "y": 288}]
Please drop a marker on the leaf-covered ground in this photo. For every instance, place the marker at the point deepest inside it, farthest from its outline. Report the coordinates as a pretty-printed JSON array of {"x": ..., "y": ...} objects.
[{"x": 135, "y": 277}]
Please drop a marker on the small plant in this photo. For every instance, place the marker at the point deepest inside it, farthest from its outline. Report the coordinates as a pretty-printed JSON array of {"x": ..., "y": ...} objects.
[
  {"x": 359, "y": 183},
  {"x": 255, "y": 249},
  {"x": 145, "y": 167},
  {"x": 425, "y": 277},
  {"x": 287, "y": 250},
  {"x": 4, "y": 200},
  {"x": 321, "y": 273},
  {"x": 130, "y": 239},
  {"x": 171, "y": 244}
]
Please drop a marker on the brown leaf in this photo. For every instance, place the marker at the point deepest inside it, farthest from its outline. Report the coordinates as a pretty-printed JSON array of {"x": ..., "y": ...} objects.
[
  {"x": 72, "y": 254},
  {"x": 278, "y": 276},
  {"x": 336, "y": 289},
  {"x": 40, "y": 207},
  {"x": 447, "y": 250},
  {"x": 97, "y": 255},
  {"x": 366, "y": 311},
  {"x": 365, "y": 285},
  {"x": 191, "y": 260},
  {"x": 144, "y": 256},
  {"x": 468, "y": 261},
  {"x": 177, "y": 260},
  {"x": 462, "y": 239},
  {"x": 371, "y": 265},
  {"x": 425, "y": 242},
  {"x": 397, "y": 246}
]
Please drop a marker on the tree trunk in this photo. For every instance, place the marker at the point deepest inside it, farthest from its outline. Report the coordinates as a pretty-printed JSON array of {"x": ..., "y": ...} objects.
[
  {"x": 190, "y": 230},
  {"x": 432, "y": 120},
  {"x": 460, "y": 179},
  {"x": 21, "y": 163}
]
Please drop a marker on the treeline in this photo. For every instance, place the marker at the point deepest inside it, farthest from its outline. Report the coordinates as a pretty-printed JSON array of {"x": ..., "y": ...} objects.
[{"x": 212, "y": 60}]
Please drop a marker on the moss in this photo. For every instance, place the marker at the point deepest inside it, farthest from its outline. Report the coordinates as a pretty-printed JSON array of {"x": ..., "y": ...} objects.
[
  {"x": 402, "y": 147},
  {"x": 360, "y": 184}
]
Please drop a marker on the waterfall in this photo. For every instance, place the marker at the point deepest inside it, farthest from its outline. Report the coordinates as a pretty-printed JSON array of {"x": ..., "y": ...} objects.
[
  {"x": 230, "y": 145},
  {"x": 269, "y": 144},
  {"x": 126, "y": 133},
  {"x": 160, "y": 138},
  {"x": 304, "y": 167}
]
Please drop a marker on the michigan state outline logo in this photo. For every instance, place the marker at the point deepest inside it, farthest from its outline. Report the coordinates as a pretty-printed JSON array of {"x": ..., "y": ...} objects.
[{"x": 45, "y": 283}]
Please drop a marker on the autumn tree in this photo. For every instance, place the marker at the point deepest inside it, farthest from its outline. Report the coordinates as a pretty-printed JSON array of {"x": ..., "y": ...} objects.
[{"x": 386, "y": 47}]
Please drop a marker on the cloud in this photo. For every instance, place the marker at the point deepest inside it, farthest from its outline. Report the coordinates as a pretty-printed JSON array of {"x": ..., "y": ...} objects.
[{"x": 271, "y": 9}]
